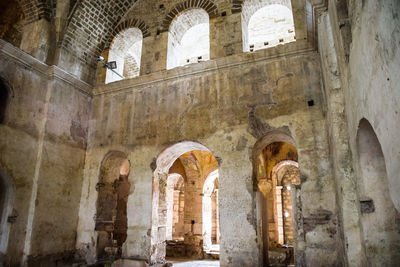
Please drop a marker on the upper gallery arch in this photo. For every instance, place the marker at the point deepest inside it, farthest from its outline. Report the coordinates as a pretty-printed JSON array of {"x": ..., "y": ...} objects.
[
  {"x": 209, "y": 6},
  {"x": 127, "y": 24}
]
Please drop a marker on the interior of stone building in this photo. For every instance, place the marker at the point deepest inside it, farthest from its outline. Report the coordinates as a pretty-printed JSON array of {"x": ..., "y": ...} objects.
[{"x": 232, "y": 133}]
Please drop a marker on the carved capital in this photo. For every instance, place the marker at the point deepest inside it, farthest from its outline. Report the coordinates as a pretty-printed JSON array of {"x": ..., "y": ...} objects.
[{"x": 264, "y": 186}]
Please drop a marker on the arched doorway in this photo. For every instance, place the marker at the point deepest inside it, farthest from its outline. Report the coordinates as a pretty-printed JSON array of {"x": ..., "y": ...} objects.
[
  {"x": 276, "y": 172},
  {"x": 381, "y": 235},
  {"x": 111, "y": 214},
  {"x": 211, "y": 234},
  {"x": 178, "y": 184}
]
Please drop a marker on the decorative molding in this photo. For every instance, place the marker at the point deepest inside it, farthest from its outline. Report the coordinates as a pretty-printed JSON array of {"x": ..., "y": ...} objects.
[{"x": 52, "y": 72}]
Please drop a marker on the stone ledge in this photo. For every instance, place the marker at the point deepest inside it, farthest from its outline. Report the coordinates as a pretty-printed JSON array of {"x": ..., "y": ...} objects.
[
  {"x": 52, "y": 72},
  {"x": 294, "y": 49}
]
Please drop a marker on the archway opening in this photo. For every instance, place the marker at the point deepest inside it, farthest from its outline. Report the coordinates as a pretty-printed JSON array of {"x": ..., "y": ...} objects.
[
  {"x": 189, "y": 38},
  {"x": 210, "y": 209},
  {"x": 381, "y": 237},
  {"x": 126, "y": 51},
  {"x": 111, "y": 216},
  {"x": 185, "y": 204},
  {"x": 266, "y": 24},
  {"x": 277, "y": 174}
]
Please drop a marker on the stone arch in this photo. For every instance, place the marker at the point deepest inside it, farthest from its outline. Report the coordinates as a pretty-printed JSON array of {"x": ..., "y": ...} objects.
[
  {"x": 7, "y": 194},
  {"x": 271, "y": 137},
  {"x": 6, "y": 93},
  {"x": 126, "y": 24},
  {"x": 281, "y": 165},
  {"x": 160, "y": 175},
  {"x": 209, "y": 6},
  {"x": 111, "y": 207},
  {"x": 285, "y": 175},
  {"x": 281, "y": 147},
  {"x": 379, "y": 217}
]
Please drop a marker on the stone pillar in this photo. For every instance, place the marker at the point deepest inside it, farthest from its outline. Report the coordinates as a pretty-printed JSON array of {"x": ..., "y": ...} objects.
[
  {"x": 237, "y": 219},
  {"x": 154, "y": 53},
  {"x": 217, "y": 217},
  {"x": 279, "y": 210},
  {"x": 225, "y": 36}
]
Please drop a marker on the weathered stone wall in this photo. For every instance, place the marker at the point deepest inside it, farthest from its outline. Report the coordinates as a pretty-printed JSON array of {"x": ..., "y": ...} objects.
[
  {"x": 43, "y": 151},
  {"x": 373, "y": 91},
  {"x": 358, "y": 42},
  {"x": 210, "y": 102},
  {"x": 227, "y": 104}
]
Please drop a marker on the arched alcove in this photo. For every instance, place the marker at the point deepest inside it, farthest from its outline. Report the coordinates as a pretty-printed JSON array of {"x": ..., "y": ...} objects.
[
  {"x": 285, "y": 174},
  {"x": 273, "y": 156},
  {"x": 191, "y": 163},
  {"x": 266, "y": 23},
  {"x": 111, "y": 209},
  {"x": 188, "y": 38},
  {"x": 126, "y": 51},
  {"x": 7, "y": 192},
  {"x": 381, "y": 236}
]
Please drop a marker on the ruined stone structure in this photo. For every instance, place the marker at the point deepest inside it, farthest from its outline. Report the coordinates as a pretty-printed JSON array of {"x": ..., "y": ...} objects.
[{"x": 252, "y": 132}]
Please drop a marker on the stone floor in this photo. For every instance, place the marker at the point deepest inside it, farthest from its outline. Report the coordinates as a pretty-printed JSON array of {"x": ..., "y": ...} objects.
[{"x": 193, "y": 263}]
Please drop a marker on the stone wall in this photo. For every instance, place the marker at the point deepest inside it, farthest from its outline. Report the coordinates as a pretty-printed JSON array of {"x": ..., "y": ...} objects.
[
  {"x": 57, "y": 130},
  {"x": 43, "y": 152},
  {"x": 225, "y": 104},
  {"x": 360, "y": 60}
]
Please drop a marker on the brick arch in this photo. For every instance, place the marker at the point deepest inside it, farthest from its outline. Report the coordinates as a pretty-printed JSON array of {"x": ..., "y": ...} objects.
[
  {"x": 251, "y": 6},
  {"x": 131, "y": 23},
  {"x": 35, "y": 10},
  {"x": 86, "y": 39},
  {"x": 209, "y": 6}
]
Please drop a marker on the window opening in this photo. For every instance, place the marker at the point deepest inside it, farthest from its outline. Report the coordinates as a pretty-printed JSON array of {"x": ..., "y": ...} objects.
[{"x": 189, "y": 38}]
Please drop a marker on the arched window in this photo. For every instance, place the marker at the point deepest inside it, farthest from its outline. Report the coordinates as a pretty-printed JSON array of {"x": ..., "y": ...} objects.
[
  {"x": 378, "y": 214},
  {"x": 266, "y": 23},
  {"x": 275, "y": 163},
  {"x": 126, "y": 51},
  {"x": 189, "y": 38},
  {"x": 111, "y": 208}
]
